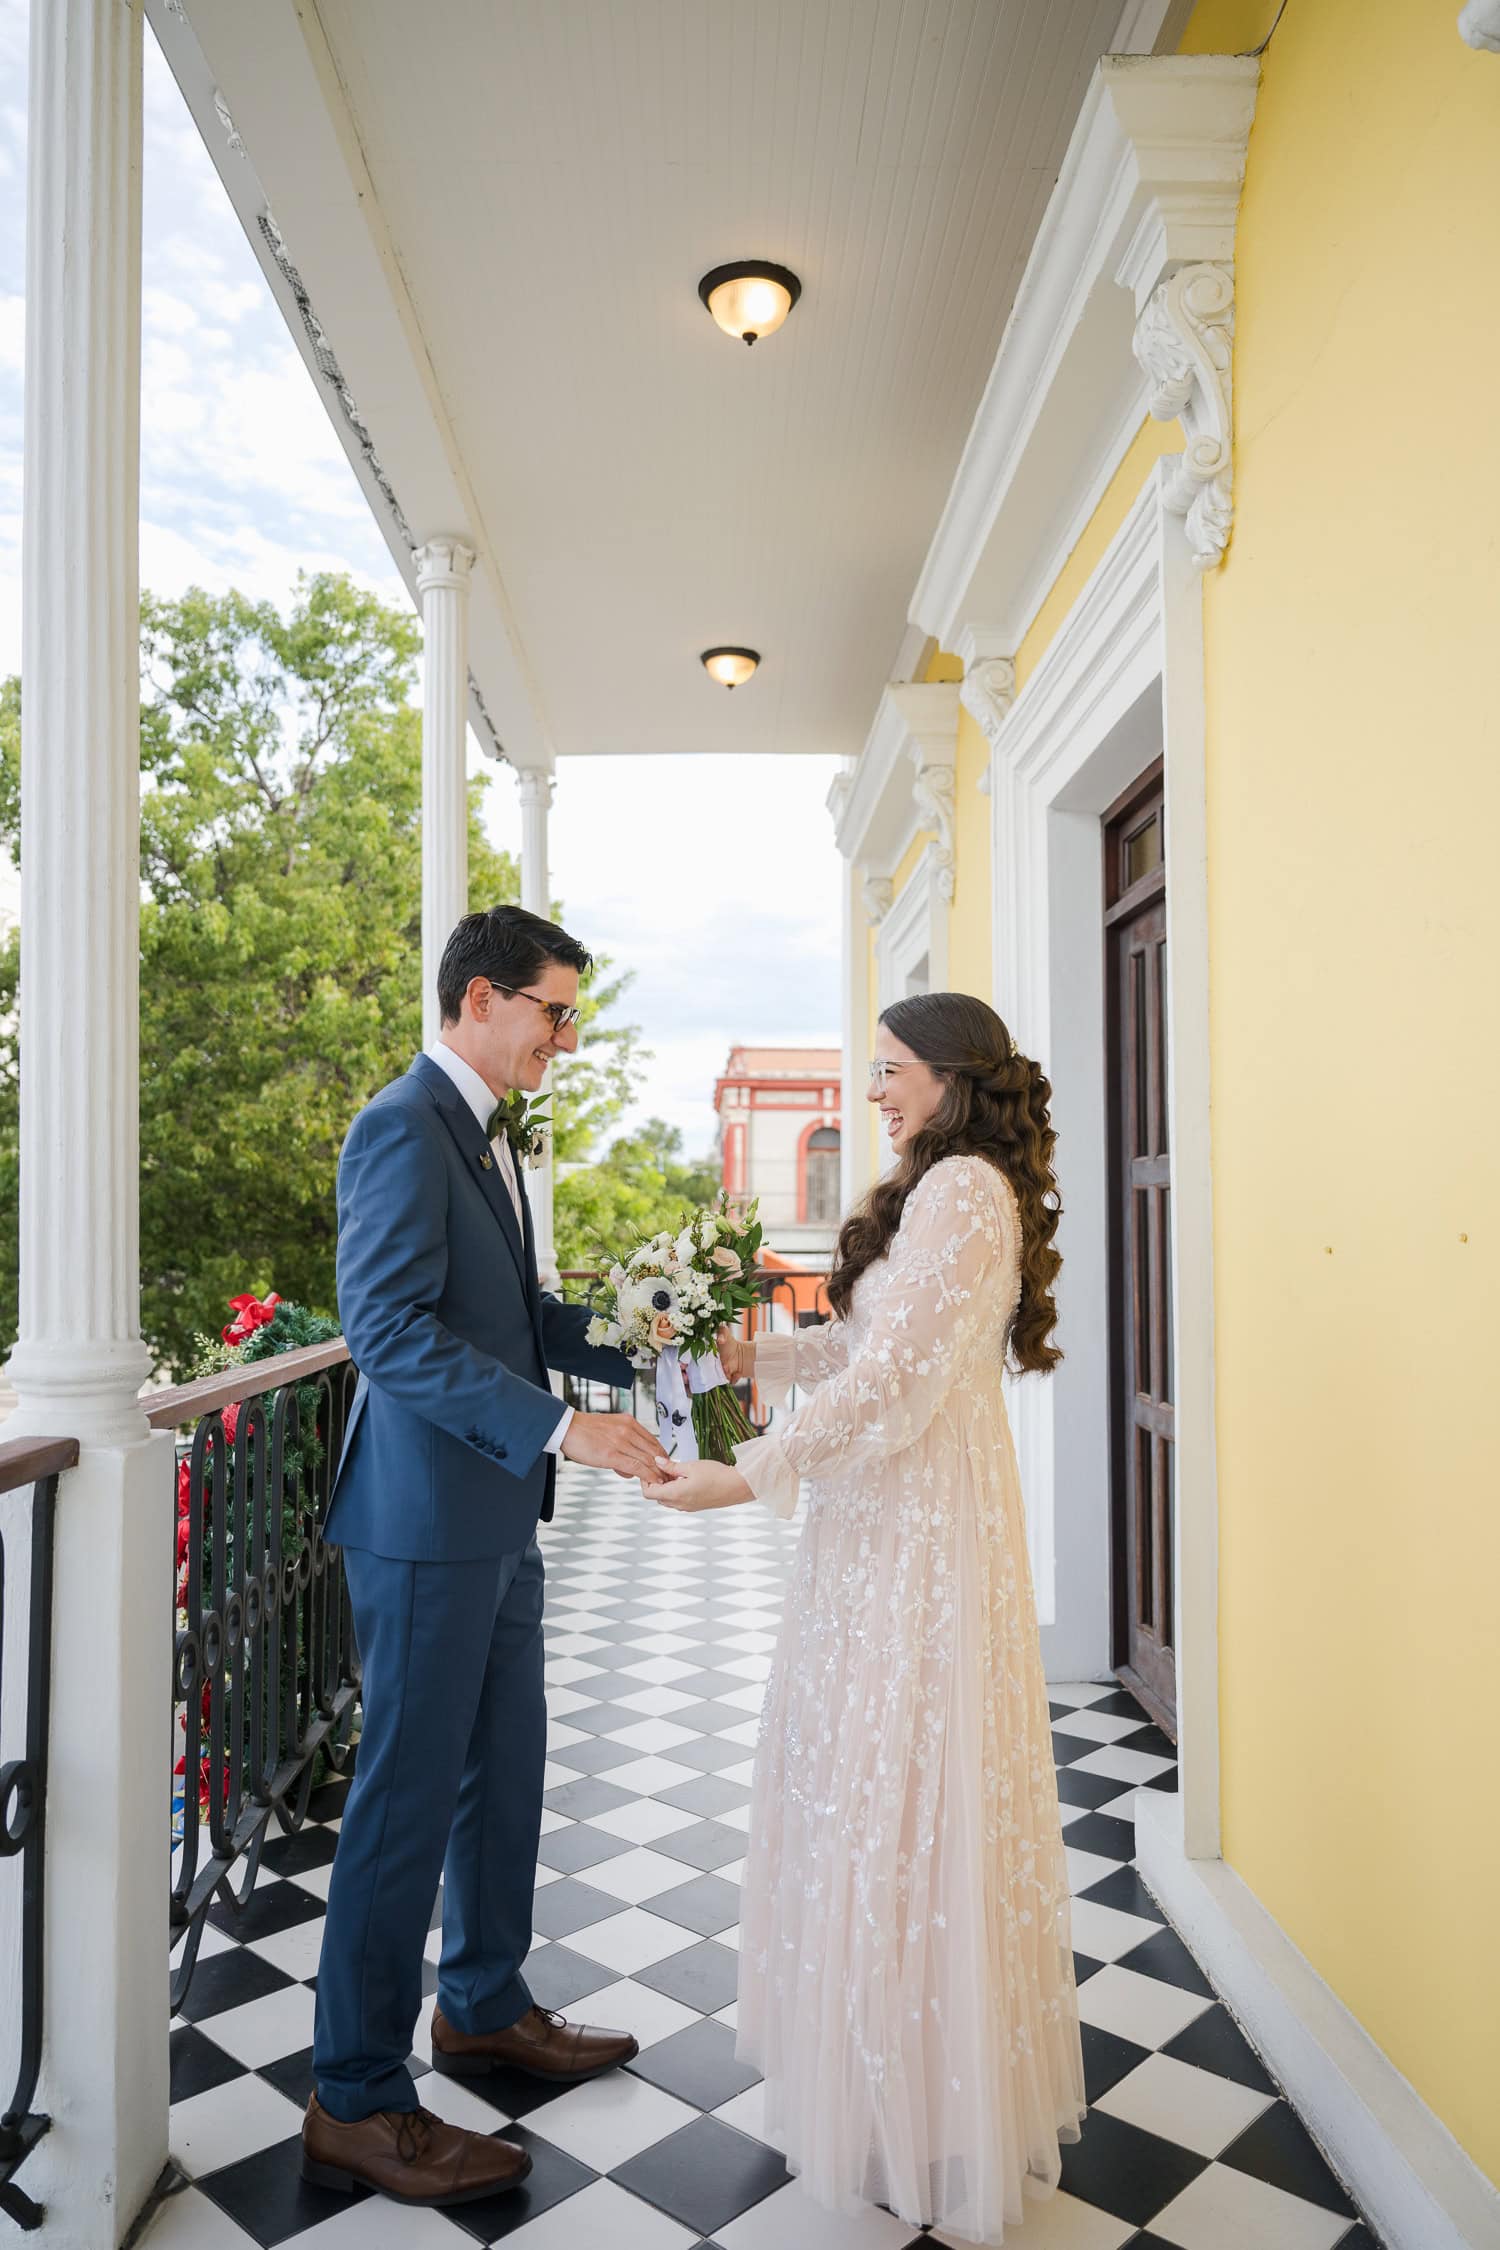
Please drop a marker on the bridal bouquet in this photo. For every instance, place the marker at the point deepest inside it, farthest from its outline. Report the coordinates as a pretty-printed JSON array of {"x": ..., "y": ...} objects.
[{"x": 662, "y": 1305}]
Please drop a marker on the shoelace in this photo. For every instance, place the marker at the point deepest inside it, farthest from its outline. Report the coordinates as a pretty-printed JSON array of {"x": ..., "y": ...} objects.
[{"x": 413, "y": 2134}]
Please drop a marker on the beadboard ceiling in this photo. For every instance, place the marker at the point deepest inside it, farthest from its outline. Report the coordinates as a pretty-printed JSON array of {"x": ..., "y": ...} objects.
[{"x": 545, "y": 184}]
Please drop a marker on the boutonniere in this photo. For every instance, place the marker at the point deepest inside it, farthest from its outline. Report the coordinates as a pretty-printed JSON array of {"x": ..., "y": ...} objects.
[{"x": 526, "y": 1125}]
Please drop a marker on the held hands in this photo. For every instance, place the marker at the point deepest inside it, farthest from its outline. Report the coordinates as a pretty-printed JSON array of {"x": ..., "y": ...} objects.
[
  {"x": 612, "y": 1441},
  {"x": 690, "y": 1486},
  {"x": 736, "y": 1355}
]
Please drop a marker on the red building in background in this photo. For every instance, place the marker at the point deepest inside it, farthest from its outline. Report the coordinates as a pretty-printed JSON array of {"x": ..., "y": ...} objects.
[{"x": 778, "y": 1110}]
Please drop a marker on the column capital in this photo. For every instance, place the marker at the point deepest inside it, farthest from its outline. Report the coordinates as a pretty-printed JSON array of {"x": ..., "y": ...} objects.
[
  {"x": 443, "y": 562},
  {"x": 535, "y": 787}
]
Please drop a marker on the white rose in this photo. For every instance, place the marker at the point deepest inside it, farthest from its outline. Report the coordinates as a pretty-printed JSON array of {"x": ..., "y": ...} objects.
[{"x": 685, "y": 1246}]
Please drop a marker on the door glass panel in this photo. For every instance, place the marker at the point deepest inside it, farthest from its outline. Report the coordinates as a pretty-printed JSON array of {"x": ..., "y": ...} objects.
[{"x": 1143, "y": 851}]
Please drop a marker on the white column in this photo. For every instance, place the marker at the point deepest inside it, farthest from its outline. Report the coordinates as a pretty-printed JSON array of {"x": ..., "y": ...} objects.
[
  {"x": 856, "y": 1166},
  {"x": 80, "y": 1360},
  {"x": 536, "y": 788},
  {"x": 443, "y": 567}
]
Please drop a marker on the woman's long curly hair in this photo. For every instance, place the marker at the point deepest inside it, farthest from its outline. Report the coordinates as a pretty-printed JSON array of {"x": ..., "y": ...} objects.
[{"x": 994, "y": 1105}]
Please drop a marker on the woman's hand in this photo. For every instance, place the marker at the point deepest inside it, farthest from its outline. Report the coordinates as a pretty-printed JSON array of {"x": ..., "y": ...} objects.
[
  {"x": 736, "y": 1355},
  {"x": 694, "y": 1485}
]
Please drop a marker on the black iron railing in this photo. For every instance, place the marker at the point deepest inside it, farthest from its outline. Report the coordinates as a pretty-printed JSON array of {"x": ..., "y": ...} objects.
[
  {"x": 36, "y": 1463},
  {"x": 798, "y": 1296},
  {"x": 265, "y": 1670}
]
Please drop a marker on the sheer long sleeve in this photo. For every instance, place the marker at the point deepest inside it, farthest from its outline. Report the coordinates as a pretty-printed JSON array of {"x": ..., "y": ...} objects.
[
  {"x": 938, "y": 1283},
  {"x": 801, "y": 1356}
]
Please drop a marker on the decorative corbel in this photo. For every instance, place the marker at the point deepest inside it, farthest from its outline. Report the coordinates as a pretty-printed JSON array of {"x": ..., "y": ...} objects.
[
  {"x": 933, "y": 793},
  {"x": 1479, "y": 26},
  {"x": 1184, "y": 339},
  {"x": 879, "y": 891}
]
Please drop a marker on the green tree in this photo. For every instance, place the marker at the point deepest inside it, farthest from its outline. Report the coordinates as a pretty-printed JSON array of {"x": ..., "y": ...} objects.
[
  {"x": 280, "y": 941},
  {"x": 641, "y": 1184}
]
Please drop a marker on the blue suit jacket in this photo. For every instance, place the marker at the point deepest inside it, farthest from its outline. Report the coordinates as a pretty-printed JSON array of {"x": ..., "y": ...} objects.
[{"x": 443, "y": 1457}]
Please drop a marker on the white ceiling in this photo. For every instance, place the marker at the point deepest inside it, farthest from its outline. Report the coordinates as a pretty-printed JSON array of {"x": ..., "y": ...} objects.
[{"x": 550, "y": 179}]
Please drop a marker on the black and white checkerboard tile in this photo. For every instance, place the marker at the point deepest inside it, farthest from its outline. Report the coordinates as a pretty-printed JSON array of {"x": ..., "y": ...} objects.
[{"x": 660, "y": 1630}]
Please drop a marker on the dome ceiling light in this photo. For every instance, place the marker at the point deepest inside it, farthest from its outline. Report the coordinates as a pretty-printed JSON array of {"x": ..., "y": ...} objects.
[
  {"x": 731, "y": 667},
  {"x": 750, "y": 299}
]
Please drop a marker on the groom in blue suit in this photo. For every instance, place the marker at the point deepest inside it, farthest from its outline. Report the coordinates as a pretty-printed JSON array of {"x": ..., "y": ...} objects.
[{"x": 449, "y": 1460}]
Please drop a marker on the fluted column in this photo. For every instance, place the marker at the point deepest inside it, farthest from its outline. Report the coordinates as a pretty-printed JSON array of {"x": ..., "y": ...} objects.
[
  {"x": 80, "y": 1360},
  {"x": 443, "y": 567},
  {"x": 536, "y": 789}
]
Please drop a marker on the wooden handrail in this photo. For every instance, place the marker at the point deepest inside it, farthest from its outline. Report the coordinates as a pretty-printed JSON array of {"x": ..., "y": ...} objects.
[
  {"x": 26, "y": 1460},
  {"x": 167, "y": 1410}
]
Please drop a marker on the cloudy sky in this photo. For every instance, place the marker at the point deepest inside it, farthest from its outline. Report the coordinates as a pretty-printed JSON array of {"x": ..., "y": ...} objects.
[{"x": 734, "y": 935}]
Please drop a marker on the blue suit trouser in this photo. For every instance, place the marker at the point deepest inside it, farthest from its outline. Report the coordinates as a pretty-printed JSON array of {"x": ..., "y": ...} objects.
[{"x": 448, "y": 1781}]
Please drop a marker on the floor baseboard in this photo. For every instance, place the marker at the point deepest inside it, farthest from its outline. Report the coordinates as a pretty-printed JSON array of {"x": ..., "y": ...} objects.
[{"x": 1399, "y": 2162}]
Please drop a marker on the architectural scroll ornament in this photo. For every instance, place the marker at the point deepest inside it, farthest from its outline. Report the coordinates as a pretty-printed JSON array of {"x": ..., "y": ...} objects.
[
  {"x": 1184, "y": 339},
  {"x": 988, "y": 691},
  {"x": 932, "y": 792},
  {"x": 1479, "y": 25},
  {"x": 879, "y": 891}
]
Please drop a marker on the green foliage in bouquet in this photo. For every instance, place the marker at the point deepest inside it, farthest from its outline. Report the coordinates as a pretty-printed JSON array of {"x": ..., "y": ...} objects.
[{"x": 673, "y": 1290}]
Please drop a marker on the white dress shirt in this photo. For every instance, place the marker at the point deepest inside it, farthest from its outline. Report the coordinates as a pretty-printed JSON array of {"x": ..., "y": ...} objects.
[{"x": 482, "y": 1102}]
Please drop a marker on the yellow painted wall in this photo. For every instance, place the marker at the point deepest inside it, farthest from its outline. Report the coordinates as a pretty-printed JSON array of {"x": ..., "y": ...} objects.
[
  {"x": 1150, "y": 442},
  {"x": 970, "y": 962},
  {"x": 1354, "y": 799}
]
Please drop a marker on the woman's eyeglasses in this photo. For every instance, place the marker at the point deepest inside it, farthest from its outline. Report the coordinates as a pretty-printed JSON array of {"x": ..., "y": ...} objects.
[
  {"x": 561, "y": 1016},
  {"x": 880, "y": 1071}
]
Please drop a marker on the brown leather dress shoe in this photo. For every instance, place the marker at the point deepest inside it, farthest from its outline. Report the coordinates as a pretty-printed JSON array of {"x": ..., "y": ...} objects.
[
  {"x": 541, "y": 2044},
  {"x": 409, "y": 2155}
]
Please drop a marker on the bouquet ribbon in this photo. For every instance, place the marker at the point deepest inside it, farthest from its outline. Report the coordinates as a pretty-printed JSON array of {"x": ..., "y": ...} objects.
[{"x": 675, "y": 1379}]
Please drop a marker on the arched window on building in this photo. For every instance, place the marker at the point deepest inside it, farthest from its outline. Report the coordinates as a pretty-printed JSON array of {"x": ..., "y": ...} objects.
[{"x": 822, "y": 1161}]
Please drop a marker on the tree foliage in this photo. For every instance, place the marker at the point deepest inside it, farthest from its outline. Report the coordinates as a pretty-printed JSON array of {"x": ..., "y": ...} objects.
[
  {"x": 641, "y": 1184},
  {"x": 280, "y": 941}
]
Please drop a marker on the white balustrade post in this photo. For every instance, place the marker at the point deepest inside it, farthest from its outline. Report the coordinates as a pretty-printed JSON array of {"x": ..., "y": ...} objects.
[
  {"x": 535, "y": 788},
  {"x": 79, "y": 1362},
  {"x": 443, "y": 567}
]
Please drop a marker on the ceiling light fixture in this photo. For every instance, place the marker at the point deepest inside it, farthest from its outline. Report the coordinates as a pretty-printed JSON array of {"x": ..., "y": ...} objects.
[
  {"x": 750, "y": 299},
  {"x": 731, "y": 667}
]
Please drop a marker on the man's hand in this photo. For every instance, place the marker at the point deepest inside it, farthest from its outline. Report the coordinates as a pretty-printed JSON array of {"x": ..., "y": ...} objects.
[{"x": 612, "y": 1441}]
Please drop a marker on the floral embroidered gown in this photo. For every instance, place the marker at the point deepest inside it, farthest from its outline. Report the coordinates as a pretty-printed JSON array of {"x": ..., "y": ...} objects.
[{"x": 906, "y": 1973}]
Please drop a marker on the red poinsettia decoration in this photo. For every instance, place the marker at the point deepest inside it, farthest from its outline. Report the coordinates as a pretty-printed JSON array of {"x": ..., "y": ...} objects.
[{"x": 250, "y": 1313}]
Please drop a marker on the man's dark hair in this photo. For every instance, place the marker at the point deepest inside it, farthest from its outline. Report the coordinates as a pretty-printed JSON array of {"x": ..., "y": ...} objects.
[{"x": 507, "y": 945}]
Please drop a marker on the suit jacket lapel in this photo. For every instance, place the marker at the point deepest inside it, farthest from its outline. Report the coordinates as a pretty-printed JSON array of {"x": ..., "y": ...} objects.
[{"x": 469, "y": 1135}]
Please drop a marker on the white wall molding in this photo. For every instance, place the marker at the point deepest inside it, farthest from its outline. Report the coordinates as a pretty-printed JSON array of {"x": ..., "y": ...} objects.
[
  {"x": 911, "y": 951},
  {"x": 1418, "y": 2187},
  {"x": 1121, "y": 682},
  {"x": 1150, "y": 183}
]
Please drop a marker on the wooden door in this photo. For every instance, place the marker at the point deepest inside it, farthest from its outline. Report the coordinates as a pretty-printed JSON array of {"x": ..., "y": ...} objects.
[{"x": 1144, "y": 1428}]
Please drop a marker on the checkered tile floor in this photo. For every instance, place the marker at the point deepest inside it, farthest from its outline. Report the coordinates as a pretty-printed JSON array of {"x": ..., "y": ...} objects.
[{"x": 660, "y": 1631}]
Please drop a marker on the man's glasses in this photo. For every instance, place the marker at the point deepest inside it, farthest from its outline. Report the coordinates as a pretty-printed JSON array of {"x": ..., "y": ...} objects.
[
  {"x": 560, "y": 1015},
  {"x": 880, "y": 1071}
]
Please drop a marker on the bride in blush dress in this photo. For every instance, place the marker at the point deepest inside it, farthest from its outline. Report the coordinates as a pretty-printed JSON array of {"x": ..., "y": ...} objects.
[{"x": 906, "y": 1971}]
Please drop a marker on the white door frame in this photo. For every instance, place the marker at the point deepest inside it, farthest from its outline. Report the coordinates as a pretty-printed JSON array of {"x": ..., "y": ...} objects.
[
  {"x": 1120, "y": 685},
  {"x": 913, "y": 930}
]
